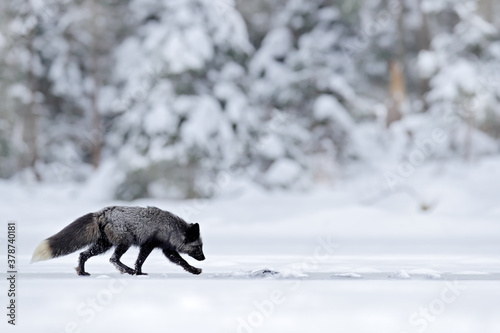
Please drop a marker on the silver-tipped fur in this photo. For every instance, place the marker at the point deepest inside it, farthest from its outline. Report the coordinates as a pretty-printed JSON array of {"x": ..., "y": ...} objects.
[
  {"x": 122, "y": 227},
  {"x": 42, "y": 252}
]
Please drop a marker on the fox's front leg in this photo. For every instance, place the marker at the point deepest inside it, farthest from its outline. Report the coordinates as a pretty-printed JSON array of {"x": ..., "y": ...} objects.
[{"x": 174, "y": 257}]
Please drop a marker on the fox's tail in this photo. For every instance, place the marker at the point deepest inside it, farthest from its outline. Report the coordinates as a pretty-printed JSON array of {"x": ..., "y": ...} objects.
[{"x": 80, "y": 233}]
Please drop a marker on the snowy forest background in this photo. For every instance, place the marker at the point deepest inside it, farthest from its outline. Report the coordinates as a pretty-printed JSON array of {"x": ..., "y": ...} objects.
[{"x": 167, "y": 98}]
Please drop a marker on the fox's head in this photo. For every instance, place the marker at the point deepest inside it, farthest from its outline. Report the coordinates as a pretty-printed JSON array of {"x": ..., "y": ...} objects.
[{"x": 193, "y": 245}]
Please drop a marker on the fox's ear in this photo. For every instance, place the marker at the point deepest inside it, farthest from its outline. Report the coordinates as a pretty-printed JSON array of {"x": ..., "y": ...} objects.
[{"x": 193, "y": 233}]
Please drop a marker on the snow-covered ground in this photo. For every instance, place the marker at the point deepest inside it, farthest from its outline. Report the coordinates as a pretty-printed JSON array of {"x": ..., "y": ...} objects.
[{"x": 353, "y": 258}]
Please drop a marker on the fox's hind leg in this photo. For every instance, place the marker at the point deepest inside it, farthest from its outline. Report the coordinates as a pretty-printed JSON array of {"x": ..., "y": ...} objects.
[
  {"x": 115, "y": 259},
  {"x": 102, "y": 245},
  {"x": 143, "y": 254}
]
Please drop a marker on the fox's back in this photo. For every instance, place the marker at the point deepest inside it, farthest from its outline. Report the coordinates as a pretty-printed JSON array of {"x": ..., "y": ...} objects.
[{"x": 138, "y": 224}]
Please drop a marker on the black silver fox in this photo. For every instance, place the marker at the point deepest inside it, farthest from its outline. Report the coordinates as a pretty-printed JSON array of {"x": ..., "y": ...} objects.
[{"x": 122, "y": 227}]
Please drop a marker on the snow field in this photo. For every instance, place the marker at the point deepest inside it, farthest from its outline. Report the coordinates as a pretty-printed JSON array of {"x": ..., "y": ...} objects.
[{"x": 318, "y": 261}]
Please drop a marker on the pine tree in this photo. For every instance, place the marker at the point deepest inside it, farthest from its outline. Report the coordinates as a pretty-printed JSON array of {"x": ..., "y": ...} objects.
[
  {"x": 461, "y": 65},
  {"x": 183, "y": 114},
  {"x": 20, "y": 140},
  {"x": 301, "y": 70},
  {"x": 79, "y": 44}
]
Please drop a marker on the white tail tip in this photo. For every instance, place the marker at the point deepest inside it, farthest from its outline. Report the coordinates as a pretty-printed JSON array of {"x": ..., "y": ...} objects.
[{"x": 42, "y": 252}]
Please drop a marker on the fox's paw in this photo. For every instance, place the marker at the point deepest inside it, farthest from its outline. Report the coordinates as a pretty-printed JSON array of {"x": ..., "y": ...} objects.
[
  {"x": 126, "y": 270},
  {"x": 81, "y": 272},
  {"x": 140, "y": 273},
  {"x": 194, "y": 270}
]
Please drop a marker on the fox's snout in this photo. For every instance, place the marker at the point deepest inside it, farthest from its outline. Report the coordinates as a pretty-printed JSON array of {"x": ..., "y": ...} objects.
[{"x": 198, "y": 256}]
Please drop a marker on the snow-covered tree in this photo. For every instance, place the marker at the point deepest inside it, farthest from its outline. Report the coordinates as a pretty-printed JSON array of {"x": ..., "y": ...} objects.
[
  {"x": 21, "y": 76},
  {"x": 79, "y": 44},
  {"x": 463, "y": 68},
  {"x": 301, "y": 70},
  {"x": 284, "y": 92},
  {"x": 56, "y": 60},
  {"x": 184, "y": 115}
]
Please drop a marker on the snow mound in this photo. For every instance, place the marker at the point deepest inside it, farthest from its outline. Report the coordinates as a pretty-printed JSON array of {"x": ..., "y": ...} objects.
[
  {"x": 347, "y": 276},
  {"x": 255, "y": 274},
  {"x": 427, "y": 273},
  {"x": 433, "y": 276},
  {"x": 401, "y": 274},
  {"x": 288, "y": 273},
  {"x": 264, "y": 273}
]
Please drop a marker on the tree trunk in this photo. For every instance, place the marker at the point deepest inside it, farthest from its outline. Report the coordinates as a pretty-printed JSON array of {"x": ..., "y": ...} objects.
[
  {"x": 486, "y": 9},
  {"x": 30, "y": 121},
  {"x": 425, "y": 44},
  {"x": 401, "y": 47},
  {"x": 397, "y": 70},
  {"x": 397, "y": 92}
]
